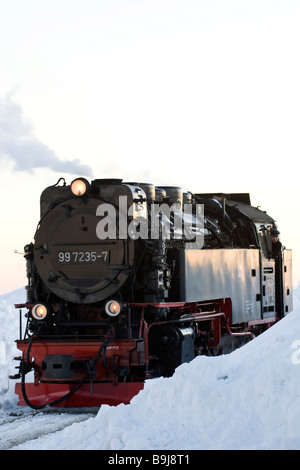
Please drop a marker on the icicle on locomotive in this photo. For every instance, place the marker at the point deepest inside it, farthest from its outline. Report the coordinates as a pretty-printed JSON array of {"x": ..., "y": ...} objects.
[{"x": 105, "y": 313}]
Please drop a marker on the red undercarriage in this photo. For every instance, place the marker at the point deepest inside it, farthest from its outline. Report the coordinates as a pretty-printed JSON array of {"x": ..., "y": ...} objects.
[
  {"x": 103, "y": 393},
  {"x": 90, "y": 394},
  {"x": 53, "y": 360}
]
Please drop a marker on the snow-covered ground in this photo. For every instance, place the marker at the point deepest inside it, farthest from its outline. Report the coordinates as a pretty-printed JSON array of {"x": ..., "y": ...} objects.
[{"x": 249, "y": 399}]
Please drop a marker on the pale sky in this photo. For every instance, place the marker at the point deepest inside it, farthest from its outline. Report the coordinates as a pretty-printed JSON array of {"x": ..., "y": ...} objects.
[{"x": 202, "y": 94}]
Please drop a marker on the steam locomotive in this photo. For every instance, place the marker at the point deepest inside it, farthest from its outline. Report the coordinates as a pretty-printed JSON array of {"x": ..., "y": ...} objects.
[{"x": 126, "y": 281}]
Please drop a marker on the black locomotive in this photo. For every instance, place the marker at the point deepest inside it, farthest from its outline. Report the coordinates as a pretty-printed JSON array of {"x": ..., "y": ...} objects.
[{"x": 126, "y": 281}]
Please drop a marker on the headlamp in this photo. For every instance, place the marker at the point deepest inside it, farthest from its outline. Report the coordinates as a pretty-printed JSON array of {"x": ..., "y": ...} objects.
[
  {"x": 79, "y": 186},
  {"x": 113, "y": 308},
  {"x": 39, "y": 311}
]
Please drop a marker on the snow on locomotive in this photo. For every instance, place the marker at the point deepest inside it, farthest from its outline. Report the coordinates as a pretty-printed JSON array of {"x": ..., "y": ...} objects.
[{"x": 126, "y": 281}]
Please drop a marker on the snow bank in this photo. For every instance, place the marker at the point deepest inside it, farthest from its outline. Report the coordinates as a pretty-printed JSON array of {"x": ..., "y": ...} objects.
[
  {"x": 9, "y": 332},
  {"x": 249, "y": 399}
]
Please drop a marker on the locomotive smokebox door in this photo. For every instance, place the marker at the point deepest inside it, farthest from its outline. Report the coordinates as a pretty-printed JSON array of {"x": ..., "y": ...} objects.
[{"x": 72, "y": 261}]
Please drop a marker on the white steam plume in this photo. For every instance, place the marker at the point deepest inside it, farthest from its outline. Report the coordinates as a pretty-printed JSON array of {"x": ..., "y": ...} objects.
[{"x": 19, "y": 145}]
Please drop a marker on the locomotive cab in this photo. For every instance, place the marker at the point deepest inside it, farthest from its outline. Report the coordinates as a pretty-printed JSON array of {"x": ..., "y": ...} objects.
[{"x": 277, "y": 280}]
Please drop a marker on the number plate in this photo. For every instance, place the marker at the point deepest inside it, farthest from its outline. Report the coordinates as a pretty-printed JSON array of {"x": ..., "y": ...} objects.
[{"x": 83, "y": 257}]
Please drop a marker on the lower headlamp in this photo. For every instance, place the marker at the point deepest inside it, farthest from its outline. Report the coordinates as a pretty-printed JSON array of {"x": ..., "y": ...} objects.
[
  {"x": 113, "y": 308},
  {"x": 39, "y": 311}
]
